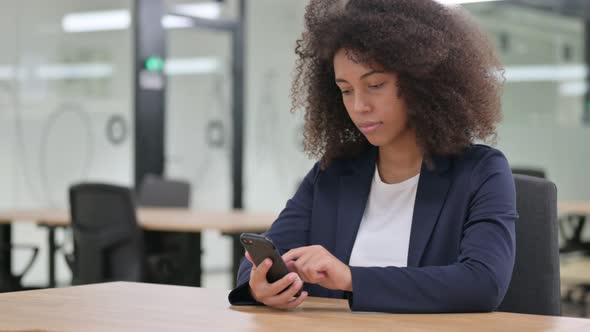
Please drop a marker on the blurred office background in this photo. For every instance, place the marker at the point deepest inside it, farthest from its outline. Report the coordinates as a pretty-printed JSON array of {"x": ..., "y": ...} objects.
[{"x": 67, "y": 104}]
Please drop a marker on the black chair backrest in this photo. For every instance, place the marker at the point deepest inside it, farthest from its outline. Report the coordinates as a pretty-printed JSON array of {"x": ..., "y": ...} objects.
[
  {"x": 179, "y": 251},
  {"x": 108, "y": 243},
  {"x": 534, "y": 288},
  {"x": 158, "y": 192},
  {"x": 530, "y": 171}
]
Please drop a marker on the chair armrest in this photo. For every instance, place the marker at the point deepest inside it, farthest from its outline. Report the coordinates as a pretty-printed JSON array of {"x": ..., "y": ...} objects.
[{"x": 35, "y": 251}]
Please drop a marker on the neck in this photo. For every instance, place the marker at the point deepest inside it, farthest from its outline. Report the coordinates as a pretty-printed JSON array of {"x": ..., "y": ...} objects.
[{"x": 400, "y": 160}]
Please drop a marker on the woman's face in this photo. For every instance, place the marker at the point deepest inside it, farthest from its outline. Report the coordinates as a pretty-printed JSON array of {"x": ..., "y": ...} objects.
[{"x": 371, "y": 99}]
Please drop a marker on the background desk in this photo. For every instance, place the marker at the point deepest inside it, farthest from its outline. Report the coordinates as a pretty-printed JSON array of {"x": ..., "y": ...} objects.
[
  {"x": 573, "y": 225},
  {"x": 575, "y": 272},
  {"x": 574, "y": 207},
  {"x": 126, "y": 307},
  {"x": 182, "y": 220},
  {"x": 162, "y": 219}
]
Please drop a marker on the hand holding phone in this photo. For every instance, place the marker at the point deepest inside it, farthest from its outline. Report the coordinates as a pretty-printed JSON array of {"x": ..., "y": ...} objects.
[{"x": 270, "y": 280}]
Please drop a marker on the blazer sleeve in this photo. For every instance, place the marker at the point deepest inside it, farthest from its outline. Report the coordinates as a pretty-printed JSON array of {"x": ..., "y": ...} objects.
[
  {"x": 289, "y": 231},
  {"x": 479, "y": 278}
]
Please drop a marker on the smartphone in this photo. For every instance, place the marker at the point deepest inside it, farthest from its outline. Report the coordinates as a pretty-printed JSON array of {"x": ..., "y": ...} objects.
[{"x": 260, "y": 247}]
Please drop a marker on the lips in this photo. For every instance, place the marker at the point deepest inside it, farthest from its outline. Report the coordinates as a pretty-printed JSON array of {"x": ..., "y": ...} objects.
[{"x": 369, "y": 126}]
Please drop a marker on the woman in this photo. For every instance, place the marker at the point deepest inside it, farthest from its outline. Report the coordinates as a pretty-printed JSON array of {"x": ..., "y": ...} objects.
[{"x": 403, "y": 213}]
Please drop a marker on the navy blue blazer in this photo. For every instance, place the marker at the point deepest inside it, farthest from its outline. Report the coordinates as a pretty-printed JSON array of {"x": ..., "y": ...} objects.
[{"x": 462, "y": 240}]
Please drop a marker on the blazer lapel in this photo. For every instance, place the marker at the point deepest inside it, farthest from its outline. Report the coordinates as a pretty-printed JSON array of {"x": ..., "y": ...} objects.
[
  {"x": 430, "y": 198},
  {"x": 355, "y": 186}
]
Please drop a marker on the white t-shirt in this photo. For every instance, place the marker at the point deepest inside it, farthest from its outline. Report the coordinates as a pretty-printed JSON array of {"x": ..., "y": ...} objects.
[{"x": 383, "y": 237}]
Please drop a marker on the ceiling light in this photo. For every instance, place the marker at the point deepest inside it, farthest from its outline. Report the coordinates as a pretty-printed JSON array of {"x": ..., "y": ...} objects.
[
  {"x": 545, "y": 73},
  {"x": 7, "y": 73},
  {"x": 96, "y": 21},
  {"x": 192, "y": 66},
  {"x": 209, "y": 10},
  {"x": 74, "y": 71},
  {"x": 175, "y": 22}
]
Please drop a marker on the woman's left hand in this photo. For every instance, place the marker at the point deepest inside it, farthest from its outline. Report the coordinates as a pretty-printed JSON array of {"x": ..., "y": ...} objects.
[{"x": 316, "y": 265}]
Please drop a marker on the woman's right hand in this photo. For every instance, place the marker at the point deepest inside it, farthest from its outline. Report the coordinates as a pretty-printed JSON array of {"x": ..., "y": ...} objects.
[{"x": 268, "y": 293}]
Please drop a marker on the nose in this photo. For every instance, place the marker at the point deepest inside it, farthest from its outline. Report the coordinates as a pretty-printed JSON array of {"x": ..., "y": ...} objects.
[{"x": 361, "y": 103}]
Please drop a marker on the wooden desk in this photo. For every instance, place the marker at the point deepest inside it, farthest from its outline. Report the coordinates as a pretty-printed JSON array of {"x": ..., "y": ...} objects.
[
  {"x": 161, "y": 219},
  {"x": 126, "y": 307},
  {"x": 575, "y": 272},
  {"x": 574, "y": 208}
]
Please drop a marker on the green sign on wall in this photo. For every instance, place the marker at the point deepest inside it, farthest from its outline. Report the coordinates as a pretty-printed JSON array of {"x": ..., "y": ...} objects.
[{"x": 154, "y": 63}]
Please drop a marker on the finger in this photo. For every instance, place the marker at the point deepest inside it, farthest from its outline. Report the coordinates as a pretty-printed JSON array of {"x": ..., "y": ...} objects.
[
  {"x": 249, "y": 258},
  {"x": 294, "y": 254},
  {"x": 302, "y": 266},
  {"x": 279, "y": 285},
  {"x": 258, "y": 283},
  {"x": 258, "y": 276},
  {"x": 291, "y": 266},
  {"x": 252, "y": 271},
  {"x": 295, "y": 303},
  {"x": 316, "y": 276},
  {"x": 316, "y": 268},
  {"x": 284, "y": 297}
]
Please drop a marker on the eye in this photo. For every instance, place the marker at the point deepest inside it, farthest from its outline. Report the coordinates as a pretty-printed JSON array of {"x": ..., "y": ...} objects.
[
  {"x": 345, "y": 92},
  {"x": 376, "y": 86}
]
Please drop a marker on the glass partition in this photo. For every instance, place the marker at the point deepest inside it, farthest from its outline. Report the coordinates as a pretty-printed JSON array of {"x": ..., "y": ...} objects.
[
  {"x": 544, "y": 99},
  {"x": 66, "y": 106}
]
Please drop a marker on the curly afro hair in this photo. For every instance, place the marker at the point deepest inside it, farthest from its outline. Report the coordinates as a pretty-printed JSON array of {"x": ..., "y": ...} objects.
[{"x": 449, "y": 74}]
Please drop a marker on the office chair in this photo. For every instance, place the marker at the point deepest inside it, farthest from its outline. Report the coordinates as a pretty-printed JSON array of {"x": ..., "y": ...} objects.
[
  {"x": 108, "y": 243},
  {"x": 10, "y": 282},
  {"x": 159, "y": 192},
  {"x": 534, "y": 288},
  {"x": 570, "y": 227},
  {"x": 530, "y": 171},
  {"x": 181, "y": 251}
]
